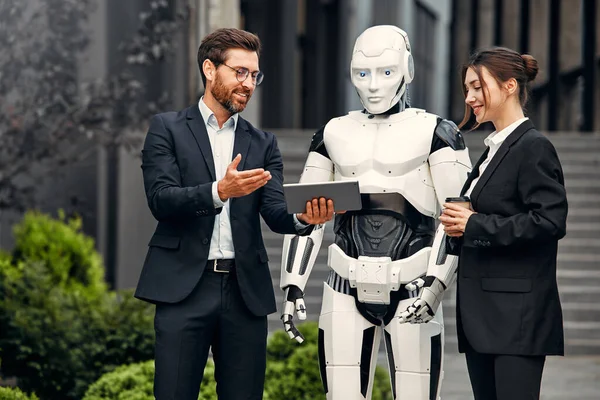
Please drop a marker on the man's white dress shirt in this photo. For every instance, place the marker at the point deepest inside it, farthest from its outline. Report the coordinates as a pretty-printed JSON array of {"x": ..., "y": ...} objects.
[
  {"x": 494, "y": 141},
  {"x": 221, "y": 144}
]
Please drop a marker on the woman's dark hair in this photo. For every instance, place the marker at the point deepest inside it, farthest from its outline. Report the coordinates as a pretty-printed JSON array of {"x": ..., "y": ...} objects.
[
  {"x": 215, "y": 46},
  {"x": 503, "y": 64}
]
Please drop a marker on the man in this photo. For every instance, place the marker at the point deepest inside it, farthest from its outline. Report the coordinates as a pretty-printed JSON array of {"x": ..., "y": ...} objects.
[{"x": 206, "y": 267}]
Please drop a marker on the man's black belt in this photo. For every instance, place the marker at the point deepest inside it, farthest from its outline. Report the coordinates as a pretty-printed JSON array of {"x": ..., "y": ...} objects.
[{"x": 220, "y": 266}]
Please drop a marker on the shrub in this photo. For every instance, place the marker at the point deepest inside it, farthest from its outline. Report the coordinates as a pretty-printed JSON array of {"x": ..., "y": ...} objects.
[
  {"x": 70, "y": 255},
  {"x": 127, "y": 331},
  {"x": 15, "y": 394},
  {"x": 135, "y": 382},
  {"x": 60, "y": 329}
]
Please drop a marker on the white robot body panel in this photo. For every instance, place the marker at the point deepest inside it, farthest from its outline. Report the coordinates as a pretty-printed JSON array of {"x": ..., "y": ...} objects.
[
  {"x": 442, "y": 266},
  {"x": 342, "y": 348},
  {"x": 317, "y": 168},
  {"x": 348, "y": 339},
  {"x": 418, "y": 351},
  {"x": 449, "y": 169},
  {"x": 375, "y": 277},
  {"x": 386, "y": 156},
  {"x": 299, "y": 256}
]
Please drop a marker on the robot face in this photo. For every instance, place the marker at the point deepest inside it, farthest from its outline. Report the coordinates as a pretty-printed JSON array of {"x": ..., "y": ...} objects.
[
  {"x": 381, "y": 67},
  {"x": 377, "y": 80}
]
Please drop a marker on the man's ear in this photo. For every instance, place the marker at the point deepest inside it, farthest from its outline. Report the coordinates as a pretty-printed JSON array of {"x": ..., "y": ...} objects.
[
  {"x": 511, "y": 86},
  {"x": 209, "y": 70}
]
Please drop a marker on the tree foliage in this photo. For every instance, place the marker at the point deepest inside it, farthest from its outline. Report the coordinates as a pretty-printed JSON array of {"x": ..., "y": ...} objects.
[{"x": 48, "y": 114}]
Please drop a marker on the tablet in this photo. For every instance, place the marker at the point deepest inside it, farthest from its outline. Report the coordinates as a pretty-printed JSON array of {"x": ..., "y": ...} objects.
[{"x": 345, "y": 195}]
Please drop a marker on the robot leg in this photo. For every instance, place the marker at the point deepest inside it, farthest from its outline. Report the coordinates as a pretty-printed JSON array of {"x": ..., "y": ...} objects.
[
  {"x": 348, "y": 347},
  {"x": 415, "y": 356}
]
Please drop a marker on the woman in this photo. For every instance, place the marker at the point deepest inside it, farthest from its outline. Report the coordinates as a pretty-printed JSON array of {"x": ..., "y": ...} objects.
[{"x": 508, "y": 309}]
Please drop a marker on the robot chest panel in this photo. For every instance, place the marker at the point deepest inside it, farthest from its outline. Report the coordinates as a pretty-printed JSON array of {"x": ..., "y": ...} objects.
[{"x": 389, "y": 149}]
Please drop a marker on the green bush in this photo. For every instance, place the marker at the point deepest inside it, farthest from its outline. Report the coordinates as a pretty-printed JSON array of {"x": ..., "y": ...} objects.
[
  {"x": 135, "y": 382},
  {"x": 70, "y": 255},
  {"x": 60, "y": 332},
  {"x": 15, "y": 394},
  {"x": 292, "y": 374},
  {"x": 127, "y": 331}
]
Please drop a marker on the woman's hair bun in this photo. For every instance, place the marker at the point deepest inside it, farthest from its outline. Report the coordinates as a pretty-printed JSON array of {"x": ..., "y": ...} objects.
[{"x": 531, "y": 66}]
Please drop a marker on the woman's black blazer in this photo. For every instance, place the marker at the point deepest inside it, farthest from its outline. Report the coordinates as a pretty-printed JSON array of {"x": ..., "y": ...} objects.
[{"x": 507, "y": 296}]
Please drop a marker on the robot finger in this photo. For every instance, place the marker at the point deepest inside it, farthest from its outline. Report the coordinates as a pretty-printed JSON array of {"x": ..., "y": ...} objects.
[
  {"x": 408, "y": 315},
  {"x": 415, "y": 285},
  {"x": 301, "y": 309},
  {"x": 291, "y": 329},
  {"x": 418, "y": 309},
  {"x": 421, "y": 308},
  {"x": 288, "y": 308}
]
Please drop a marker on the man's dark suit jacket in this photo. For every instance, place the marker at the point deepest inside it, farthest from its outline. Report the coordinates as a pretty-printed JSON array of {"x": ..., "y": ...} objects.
[
  {"x": 179, "y": 171},
  {"x": 507, "y": 295}
]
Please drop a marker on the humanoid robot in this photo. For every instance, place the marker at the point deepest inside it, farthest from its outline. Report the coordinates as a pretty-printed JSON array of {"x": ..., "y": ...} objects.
[{"x": 389, "y": 268}]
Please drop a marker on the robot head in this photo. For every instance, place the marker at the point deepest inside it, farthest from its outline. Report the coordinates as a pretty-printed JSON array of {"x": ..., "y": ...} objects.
[{"x": 381, "y": 67}]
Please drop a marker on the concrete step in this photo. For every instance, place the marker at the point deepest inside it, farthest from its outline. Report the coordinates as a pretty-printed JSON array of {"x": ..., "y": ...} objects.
[{"x": 590, "y": 242}]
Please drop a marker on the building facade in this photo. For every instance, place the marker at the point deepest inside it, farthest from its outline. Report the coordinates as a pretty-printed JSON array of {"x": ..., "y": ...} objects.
[{"x": 564, "y": 37}]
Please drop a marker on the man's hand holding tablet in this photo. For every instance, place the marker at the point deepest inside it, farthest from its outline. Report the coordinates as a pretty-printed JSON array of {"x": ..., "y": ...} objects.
[
  {"x": 318, "y": 211},
  {"x": 315, "y": 201}
]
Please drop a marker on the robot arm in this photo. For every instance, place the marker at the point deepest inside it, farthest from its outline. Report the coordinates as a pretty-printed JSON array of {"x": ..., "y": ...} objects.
[
  {"x": 449, "y": 164},
  {"x": 300, "y": 252}
]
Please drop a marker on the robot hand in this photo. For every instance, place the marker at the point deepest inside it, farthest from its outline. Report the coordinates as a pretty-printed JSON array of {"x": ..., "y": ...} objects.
[
  {"x": 423, "y": 309},
  {"x": 294, "y": 300}
]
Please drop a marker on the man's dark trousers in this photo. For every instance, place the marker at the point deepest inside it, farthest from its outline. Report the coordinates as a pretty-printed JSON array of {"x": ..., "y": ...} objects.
[
  {"x": 214, "y": 315},
  {"x": 505, "y": 377}
]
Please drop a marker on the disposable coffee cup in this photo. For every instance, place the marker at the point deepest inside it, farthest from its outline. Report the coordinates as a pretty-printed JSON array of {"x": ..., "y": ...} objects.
[
  {"x": 463, "y": 201},
  {"x": 454, "y": 244}
]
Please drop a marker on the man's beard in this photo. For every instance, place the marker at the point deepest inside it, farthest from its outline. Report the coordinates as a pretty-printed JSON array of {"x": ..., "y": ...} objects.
[{"x": 225, "y": 96}]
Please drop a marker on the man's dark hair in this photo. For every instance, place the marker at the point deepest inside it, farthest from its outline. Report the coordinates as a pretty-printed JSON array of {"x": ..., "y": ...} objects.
[{"x": 216, "y": 45}]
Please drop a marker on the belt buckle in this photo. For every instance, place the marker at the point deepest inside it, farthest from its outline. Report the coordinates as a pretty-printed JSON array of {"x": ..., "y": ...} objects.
[{"x": 218, "y": 270}]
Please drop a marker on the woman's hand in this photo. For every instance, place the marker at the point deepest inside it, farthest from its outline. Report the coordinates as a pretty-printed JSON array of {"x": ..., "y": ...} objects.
[{"x": 454, "y": 218}]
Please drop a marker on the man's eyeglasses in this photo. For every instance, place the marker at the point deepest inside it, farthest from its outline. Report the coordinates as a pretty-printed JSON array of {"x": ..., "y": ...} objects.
[{"x": 242, "y": 73}]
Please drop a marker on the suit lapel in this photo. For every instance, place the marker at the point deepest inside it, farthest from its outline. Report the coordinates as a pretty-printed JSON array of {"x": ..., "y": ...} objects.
[
  {"x": 474, "y": 172},
  {"x": 241, "y": 142},
  {"x": 198, "y": 128},
  {"x": 502, "y": 152}
]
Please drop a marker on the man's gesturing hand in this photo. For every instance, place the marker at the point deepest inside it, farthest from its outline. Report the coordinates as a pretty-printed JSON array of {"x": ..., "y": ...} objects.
[{"x": 240, "y": 183}]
